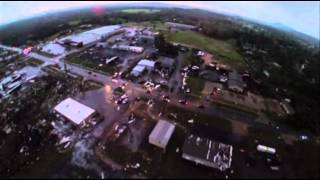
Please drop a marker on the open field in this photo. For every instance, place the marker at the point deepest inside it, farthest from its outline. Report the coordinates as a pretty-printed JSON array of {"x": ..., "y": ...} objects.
[
  {"x": 223, "y": 50},
  {"x": 140, "y": 10},
  {"x": 34, "y": 62},
  {"x": 196, "y": 85},
  {"x": 88, "y": 63}
]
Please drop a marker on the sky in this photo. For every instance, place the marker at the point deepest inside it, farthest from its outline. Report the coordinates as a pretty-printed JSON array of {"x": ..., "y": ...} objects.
[{"x": 303, "y": 16}]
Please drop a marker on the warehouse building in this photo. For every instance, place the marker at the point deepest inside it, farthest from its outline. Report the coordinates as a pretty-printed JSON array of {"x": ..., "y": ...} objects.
[
  {"x": 91, "y": 36},
  {"x": 161, "y": 134},
  {"x": 207, "y": 152},
  {"x": 74, "y": 111}
]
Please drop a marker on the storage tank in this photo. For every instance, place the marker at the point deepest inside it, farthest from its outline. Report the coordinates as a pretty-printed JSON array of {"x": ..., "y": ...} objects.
[{"x": 266, "y": 149}]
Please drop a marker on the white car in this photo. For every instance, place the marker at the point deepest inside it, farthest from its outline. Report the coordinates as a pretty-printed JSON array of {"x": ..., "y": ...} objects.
[
  {"x": 195, "y": 67},
  {"x": 303, "y": 137}
]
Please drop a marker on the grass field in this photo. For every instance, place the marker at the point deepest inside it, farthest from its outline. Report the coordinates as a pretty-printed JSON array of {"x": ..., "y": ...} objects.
[
  {"x": 140, "y": 10},
  {"x": 222, "y": 50},
  {"x": 93, "y": 65},
  {"x": 196, "y": 85},
  {"x": 225, "y": 51},
  {"x": 34, "y": 62},
  {"x": 213, "y": 122},
  {"x": 74, "y": 23}
]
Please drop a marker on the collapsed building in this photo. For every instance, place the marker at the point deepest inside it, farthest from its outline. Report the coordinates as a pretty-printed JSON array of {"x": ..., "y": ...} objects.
[{"x": 207, "y": 152}]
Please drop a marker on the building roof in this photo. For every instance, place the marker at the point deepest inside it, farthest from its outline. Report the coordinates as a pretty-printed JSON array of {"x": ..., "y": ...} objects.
[
  {"x": 129, "y": 48},
  {"x": 53, "y": 48},
  {"x": 138, "y": 68},
  {"x": 92, "y": 35},
  {"x": 207, "y": 152},
  {"x": 146, "y": 62},
  {"x": 161, "y": 133},
  {"x": 74, "y": 111}
]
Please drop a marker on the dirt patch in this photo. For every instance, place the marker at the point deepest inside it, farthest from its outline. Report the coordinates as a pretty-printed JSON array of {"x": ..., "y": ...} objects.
[{"x": 239, "y": 128}]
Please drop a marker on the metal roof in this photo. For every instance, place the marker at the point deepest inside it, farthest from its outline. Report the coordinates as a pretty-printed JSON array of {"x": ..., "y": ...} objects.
[
  {"x": 74, "y": 111},
  {"x": 161, "y": 133},
  {"x": 146, "y": 62}
]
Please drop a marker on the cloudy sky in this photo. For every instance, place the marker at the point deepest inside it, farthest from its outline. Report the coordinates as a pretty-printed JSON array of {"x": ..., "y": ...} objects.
[{"x": 302, "y": 16}]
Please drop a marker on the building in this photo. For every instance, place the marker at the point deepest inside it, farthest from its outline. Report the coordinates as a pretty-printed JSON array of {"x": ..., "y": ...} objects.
[
  {"x": 74, "y": 111},
  {"x": 10, "y": 84},
  {"x": 207, "y": 152},
  {"x": 180, "y": 26},
  {"x": 135, "y": 49},
  {"x": 235, "y": 82},
  {"x": 161, "y": 134},
  {"x": 287, "y": 108},
  {"x": 53, "y": 48},
  {"x": 91, "y": 36},
  {"x": 137, "y": 70},
  {"x": 147, "y": 63}
]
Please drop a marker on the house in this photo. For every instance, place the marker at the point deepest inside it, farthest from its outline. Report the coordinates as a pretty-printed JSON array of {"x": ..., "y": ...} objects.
[
  {"x": 74, "y": 111},
  {"x": 161, "y": 134},
  {"x": 138, "y": 70},
  {"x": 207, "y": 152},
  {"x": 235, "y": 82}
]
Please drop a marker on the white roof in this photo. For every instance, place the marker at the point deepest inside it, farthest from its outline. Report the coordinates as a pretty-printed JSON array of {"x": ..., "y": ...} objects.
[
  {"x": 161, "y": 133},
  {"x": 74, "y": 111},
  {"x": 146, "y": 62},
  {"x": 92, "y": 35},
  {"x": 53, "y": 48},
  {"x": 138, "y": 68},
  {"x": 104, "y": 30}
]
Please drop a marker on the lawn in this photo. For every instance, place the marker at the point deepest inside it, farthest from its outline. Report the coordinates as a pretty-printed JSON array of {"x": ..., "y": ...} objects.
[
  {"x": 91, "y": 64},
  {"x": 156, "y": 25},
  {"x": 74, "y": 23},
  {"x": 225, "y": 51},
  {"x": 140, "y": 10},
  {"x": 45, "y": 54},
  {"x": 34, "y": 62},
  {"x": 196, "y": 85},
  {"x": 222, "y": 50},
  {"x": 212, "y": 122}
]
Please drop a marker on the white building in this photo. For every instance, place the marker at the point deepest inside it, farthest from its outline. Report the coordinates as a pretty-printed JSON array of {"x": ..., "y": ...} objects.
[
  {"x": 147, "y": 63},
  {"x": 74, "y": 111},
  {"x": 53, "y": 48},
  {"x": 135, "y": 49},
  {"x": 137, "y": 70},
  {"x": 161, "y": 134},
  {"x": 93, "y": 35}
]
